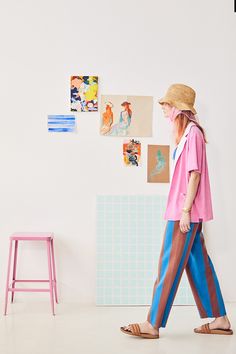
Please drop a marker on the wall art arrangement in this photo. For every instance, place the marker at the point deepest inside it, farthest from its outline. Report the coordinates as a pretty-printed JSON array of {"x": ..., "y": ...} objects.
[
  {"x": 84, "y": 93},
  {"x": 126, "y": 115},
  {"x": 120, "y": 116},
  {"x": 158, "y": 164},
  {"x": 132, "y": 152},
  {"x": 61, "y": 123}
]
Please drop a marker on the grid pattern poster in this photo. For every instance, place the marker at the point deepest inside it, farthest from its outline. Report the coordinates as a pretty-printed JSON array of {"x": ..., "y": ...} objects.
[{"x": 129, "y": 234}]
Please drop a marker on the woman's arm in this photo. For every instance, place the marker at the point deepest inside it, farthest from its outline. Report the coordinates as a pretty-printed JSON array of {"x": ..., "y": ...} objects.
[{"x": 191, "y": 193}]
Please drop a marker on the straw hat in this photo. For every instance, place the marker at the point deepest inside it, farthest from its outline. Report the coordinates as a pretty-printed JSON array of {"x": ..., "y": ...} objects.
[
  {"x": 181, "y": 97},
  {"x": 108, "y": 103}
]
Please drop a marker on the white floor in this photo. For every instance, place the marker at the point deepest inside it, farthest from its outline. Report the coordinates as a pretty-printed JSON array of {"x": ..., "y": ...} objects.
[{"x": 29, "y": 328}]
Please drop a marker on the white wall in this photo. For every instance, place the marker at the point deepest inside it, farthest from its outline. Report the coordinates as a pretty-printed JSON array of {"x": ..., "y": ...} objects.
[{"x": 50, "y": 182}]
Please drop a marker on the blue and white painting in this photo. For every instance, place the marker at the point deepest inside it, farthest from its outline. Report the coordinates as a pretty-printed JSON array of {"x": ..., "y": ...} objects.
[{"x": 61, "y": 123}]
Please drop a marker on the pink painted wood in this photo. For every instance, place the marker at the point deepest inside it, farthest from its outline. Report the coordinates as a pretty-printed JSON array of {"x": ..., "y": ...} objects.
[{"x": 29, "y": 236}]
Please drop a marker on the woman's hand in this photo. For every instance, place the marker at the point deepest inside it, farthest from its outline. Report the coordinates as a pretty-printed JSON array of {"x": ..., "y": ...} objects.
[{"x": 185, "y": 222}]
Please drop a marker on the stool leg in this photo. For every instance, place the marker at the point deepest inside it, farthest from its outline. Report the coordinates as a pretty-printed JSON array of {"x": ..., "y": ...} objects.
[
  {"x": 50, "y": 275},
  {"x": 8, "y": 277},
  {"x": 54, "y": 271},
  {"x": 14, "y": 269}
]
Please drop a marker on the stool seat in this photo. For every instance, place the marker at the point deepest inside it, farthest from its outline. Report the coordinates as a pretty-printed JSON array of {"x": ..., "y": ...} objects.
[{"x": 32, "y": 236}]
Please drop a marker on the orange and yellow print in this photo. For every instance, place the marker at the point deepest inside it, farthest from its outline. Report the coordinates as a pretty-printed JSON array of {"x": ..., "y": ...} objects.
[{"x": 132, "y": 152}]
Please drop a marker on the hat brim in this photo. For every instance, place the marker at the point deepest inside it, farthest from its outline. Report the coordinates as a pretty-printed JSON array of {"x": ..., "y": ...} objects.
[
  {"x": 179, "y": 105},
  {"x": 163, "y": 100}
]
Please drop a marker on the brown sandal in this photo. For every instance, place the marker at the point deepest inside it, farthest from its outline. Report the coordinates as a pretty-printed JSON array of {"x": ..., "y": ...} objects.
[
  {"x": 135, "y": 331},
  {"x": 205, "y": 329}
]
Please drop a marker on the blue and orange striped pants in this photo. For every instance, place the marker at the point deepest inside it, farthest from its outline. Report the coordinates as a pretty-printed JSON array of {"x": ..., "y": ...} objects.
[{"x": 185, "y": 251}]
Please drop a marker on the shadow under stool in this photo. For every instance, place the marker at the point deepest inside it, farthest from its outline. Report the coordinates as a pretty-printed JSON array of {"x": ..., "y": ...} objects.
[{"x": 11, "y": 287}]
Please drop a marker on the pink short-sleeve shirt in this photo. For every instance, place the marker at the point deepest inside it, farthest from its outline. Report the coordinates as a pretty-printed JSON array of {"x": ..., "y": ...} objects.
[{"x": 192, "y": 158}]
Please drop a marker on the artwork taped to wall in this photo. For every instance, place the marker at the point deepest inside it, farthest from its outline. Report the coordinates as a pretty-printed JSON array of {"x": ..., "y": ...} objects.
[
  {"x": 84, "y": 93},
  {"x": 132, "y": 152},
  {"x": 126, "y": 115},
  {"x": 61, "y": 123},
  {"x": 158, "y": 164}
]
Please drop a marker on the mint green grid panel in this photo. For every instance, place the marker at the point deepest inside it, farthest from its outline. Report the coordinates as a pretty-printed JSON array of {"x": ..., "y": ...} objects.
[{"x": 130, "y": 230}]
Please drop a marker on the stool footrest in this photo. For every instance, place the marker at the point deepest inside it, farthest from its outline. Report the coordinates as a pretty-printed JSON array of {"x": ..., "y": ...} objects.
[
  {"x": 29, "y": 281},
  {"x": 28, "y": 289}
]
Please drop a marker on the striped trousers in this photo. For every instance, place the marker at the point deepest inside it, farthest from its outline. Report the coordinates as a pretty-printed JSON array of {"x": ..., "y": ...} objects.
[{"x": 185, "y": 251}]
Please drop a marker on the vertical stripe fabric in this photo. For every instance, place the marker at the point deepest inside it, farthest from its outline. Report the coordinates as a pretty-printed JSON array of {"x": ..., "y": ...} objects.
[{"x": 185, "y": 251}]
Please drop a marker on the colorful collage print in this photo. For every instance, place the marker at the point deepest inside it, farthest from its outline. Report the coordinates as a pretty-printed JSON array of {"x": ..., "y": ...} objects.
[{"x": 84, "y": 93}]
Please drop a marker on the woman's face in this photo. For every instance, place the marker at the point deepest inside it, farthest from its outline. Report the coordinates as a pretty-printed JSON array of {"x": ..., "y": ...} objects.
[
  {"x": 166, "y": 107},
  {"x": 76, "y": 82}
]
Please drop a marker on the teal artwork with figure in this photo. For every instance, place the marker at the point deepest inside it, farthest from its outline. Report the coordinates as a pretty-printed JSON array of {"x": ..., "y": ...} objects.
[{"x": 158, "y": 164}]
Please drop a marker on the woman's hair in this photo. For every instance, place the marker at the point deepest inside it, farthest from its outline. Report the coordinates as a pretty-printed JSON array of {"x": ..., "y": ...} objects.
[
  {"x": 126, "y": 106},
  {"x": 181, "y": 122}
]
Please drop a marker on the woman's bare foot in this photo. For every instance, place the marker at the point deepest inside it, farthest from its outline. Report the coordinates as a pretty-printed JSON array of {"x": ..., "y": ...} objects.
[
  {"x": 219, "y": 322},
  {"x": 145, "y": 327}
]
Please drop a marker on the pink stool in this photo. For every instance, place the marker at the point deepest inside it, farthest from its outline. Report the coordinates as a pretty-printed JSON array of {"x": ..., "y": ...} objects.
[{"x": 28, "y": 236}]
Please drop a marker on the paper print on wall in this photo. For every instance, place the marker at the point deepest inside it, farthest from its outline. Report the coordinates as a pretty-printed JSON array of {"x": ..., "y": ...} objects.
[
  {"x": 132, "y": 152},
  {"x": 61, "y": 123},
  {"x": 126, "y": 115},
  {"x": 129, "y": 231},
  {"x": 84, "y": 93},
  {"x": 158, "y": 164}
]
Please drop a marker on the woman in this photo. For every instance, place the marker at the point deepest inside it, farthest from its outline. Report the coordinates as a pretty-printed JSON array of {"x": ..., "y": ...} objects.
[
  {"x": 107, "y": 118},
  {"x": 188, "y": 205},
  {"x": 121, "y": 128}
]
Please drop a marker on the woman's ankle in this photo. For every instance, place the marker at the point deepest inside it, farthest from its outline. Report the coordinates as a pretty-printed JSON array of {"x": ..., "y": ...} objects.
[{"x": 151, "y": 326}]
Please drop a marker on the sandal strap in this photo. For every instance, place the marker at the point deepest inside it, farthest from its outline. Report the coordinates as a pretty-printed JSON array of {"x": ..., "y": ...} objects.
[
  {"x": 206, "y": 328},
  {"x": 135, "y": 329}
]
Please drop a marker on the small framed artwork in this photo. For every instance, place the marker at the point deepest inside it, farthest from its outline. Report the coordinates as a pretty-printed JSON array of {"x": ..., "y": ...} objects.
[
  {"x": 158, "y": 170},
  {"x": 61, "y": 123},
  {"x": 132, "y": 152},
  {"x": 84, "y": 93}
]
